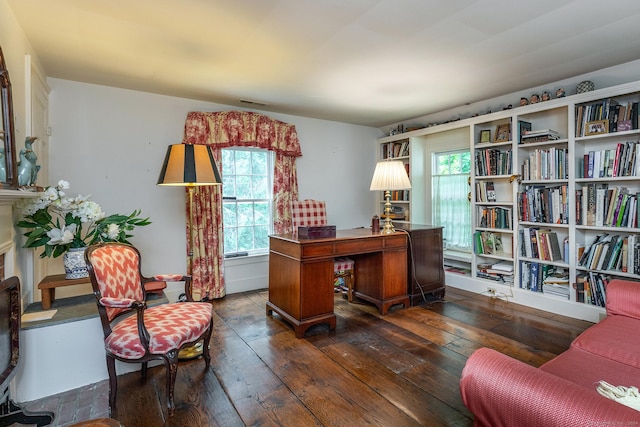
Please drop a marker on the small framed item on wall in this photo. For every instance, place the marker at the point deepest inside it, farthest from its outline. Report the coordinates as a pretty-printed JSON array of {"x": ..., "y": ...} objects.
[
  {"x": 485, "y": 136},
  {"x": 503, "y": 133}
]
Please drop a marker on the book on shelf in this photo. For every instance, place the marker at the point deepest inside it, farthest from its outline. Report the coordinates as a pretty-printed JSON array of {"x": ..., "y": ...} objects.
[
  {"x": 487, "y": 242},
  {"x": 546, "y": 204},
  {"x": 494, "y": 217},
  {"x": 556, "y": 291},
  {"x": 485, "y": 191},
  {"x": 506, "y": 267},
  {"x": 586, "y": 257},
  {"x": 533, "y": 275},
  {"x": 546, "y": 164},
  {"x": 523, "y": 127},
  {"x": 612, "y": 253},
  {"x": 395, "y": 149},
  {"x": 490, "y": 162},
  {"x": 625, "y": 258},
  {"x": 606, "y": 206},
  {"x": 578, "y": 285},
  {"x": 539, "y": 135},
  {"x": 501, "y": 271},
  {"x": 620, "y": 116},
  {"x": 541, "y": 244},
  {"x": 612, "y": 163},
  {"x": 491, "y": 191},
  {"x": 556, "y": 252}
]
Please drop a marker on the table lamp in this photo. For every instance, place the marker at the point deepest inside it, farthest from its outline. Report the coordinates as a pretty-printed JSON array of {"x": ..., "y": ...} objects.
[
  {"x": 189, "y": 166},
  {"x": 389, "y": 175}
]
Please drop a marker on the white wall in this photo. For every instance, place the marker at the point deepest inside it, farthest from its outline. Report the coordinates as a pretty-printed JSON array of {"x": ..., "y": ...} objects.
[
  {"x": 606, "y": 77},
  {"x": 14, "y": 47},
  {"x": 110, "y": 143}
]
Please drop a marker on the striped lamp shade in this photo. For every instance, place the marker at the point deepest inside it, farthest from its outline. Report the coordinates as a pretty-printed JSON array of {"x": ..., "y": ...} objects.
[{"x": 189, "y": 165}]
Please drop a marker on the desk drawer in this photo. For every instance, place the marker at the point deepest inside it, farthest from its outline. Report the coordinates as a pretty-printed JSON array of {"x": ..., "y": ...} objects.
[
  {"x": 349, "y": 247},
  {"x": 395, "y": 241},
  {"x": 320, "y": 249}
]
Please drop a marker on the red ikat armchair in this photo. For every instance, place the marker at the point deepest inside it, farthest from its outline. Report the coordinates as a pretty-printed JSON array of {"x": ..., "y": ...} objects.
[{"x": 135, "y": 333}]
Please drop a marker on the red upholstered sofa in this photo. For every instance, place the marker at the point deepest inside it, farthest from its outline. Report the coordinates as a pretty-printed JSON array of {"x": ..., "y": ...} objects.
[{"x": 502, "y": 391}]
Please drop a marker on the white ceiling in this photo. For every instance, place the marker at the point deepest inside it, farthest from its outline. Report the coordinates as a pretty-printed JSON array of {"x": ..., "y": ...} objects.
[{"x": 369, "y": 62}]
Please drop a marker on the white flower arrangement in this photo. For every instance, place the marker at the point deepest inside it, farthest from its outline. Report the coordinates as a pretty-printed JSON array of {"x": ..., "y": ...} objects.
[{"x": 58, "y": 223}]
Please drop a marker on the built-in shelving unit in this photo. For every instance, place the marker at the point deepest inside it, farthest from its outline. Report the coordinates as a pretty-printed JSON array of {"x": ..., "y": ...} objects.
[
  {"x": 397, "y": 149},
  {"x": 554, "y": 190}
]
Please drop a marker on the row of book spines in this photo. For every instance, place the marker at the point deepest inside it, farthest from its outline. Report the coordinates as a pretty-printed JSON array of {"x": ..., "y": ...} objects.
[
  {"x": 624, "y": 160},
  {"x": 485, "y": 192},
  {"x": 615, "y": 203},
  {"x": 546, "y": 164},
  {"x": 400, "y": 195},
  {"x": 543, "y": 245},
  {"x": 620, "y": 117},
  {"x": 544, "y": 204},
  {"x": 491, "y": 162},
  {"x": 614, "y": 253},
  {"x": 487, "y": 242},
  {"x": 533, "y": 275},
  {"x": 603, "y": 207},
  {"x": 591, "y": 289},
  {"x": 395, "y": 149},
  {"x": 496, "y": 217}
]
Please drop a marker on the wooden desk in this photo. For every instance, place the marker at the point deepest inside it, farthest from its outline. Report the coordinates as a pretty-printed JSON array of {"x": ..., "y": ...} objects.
[
  {"x": 426, "y": 266},
  {"x": 301, "y": 274}
]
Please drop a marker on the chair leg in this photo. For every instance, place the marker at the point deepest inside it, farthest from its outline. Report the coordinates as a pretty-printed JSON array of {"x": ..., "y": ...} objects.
[
  {"x": 113, "y": 382},
  {"x": 171, "y": 364},
  {"x": 206, "y": 352},
  {"x": 143, "y": 371},
  {"x": 352, "y": 287}
]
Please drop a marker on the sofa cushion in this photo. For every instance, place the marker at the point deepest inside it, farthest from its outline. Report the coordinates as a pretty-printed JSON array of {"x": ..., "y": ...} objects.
[
  {"x": 588, "y": 369},
  {"x": 623, "y": 298},
  {"x": 615, "y": 337}
]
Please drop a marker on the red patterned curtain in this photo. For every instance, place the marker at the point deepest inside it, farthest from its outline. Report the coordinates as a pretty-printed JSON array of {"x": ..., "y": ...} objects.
[{"x": 235, "y": 129}]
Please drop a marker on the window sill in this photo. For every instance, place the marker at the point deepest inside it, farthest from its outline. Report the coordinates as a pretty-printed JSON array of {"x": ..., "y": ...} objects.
[{"x": 249, "y": 259}]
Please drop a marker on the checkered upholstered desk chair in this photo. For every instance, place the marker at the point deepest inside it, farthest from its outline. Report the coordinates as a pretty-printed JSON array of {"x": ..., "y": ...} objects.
[
  {"x": 314, "y": 213},
  {"x": 135, "y": 333}
]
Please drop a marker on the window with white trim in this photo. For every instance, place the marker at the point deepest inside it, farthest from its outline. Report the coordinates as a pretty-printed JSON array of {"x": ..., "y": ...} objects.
[
  {"x": 247, "y": 182},
  {"x": 450, "y": 204}
]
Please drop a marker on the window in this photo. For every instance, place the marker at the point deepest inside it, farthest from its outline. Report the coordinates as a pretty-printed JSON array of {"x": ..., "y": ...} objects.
[
  {"x": 247, "y": 176},
  {"x": 451, "y": 207}
]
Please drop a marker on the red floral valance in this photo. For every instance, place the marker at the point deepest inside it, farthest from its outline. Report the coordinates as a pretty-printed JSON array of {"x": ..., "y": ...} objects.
[
  {"x": 234, "y": 129},
  {"x": 241, "y": 128}
]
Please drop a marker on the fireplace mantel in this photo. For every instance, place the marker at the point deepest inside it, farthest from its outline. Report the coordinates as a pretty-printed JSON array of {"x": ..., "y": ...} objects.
[{"x": 8, "y": 197}]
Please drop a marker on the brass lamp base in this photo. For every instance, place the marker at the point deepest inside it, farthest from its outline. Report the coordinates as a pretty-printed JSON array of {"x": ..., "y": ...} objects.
[
  {"x": 191, "y": 352},
  {"x": 388, "y": 226}
]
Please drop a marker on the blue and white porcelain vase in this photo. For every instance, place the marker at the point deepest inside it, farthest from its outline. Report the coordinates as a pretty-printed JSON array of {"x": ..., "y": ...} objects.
[{"x": 74, "y": 265}]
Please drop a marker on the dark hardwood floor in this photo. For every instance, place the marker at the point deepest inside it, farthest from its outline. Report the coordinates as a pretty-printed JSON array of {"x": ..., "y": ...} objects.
[{"x": 401, "y": 369}]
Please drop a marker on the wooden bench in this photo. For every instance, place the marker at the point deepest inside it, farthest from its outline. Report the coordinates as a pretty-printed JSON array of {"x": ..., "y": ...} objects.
[{"x": 49, "y": 284}]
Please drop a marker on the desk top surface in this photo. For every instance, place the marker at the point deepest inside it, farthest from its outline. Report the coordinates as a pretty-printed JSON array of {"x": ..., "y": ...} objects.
[
  {"x": 355, "y": 233},
  {"x": 352, "y": 233}
]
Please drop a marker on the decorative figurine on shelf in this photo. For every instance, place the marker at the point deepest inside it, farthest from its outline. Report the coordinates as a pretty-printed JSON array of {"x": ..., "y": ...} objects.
[
  {"x": 560, "y": 93},
  {"x": 585, "y": 86},
  {"x": 535, "y": 98},
  {"x": 546, "y": 96},
  {"x": 524, "y": 101},
  {"x": 27, "y": 167}
]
